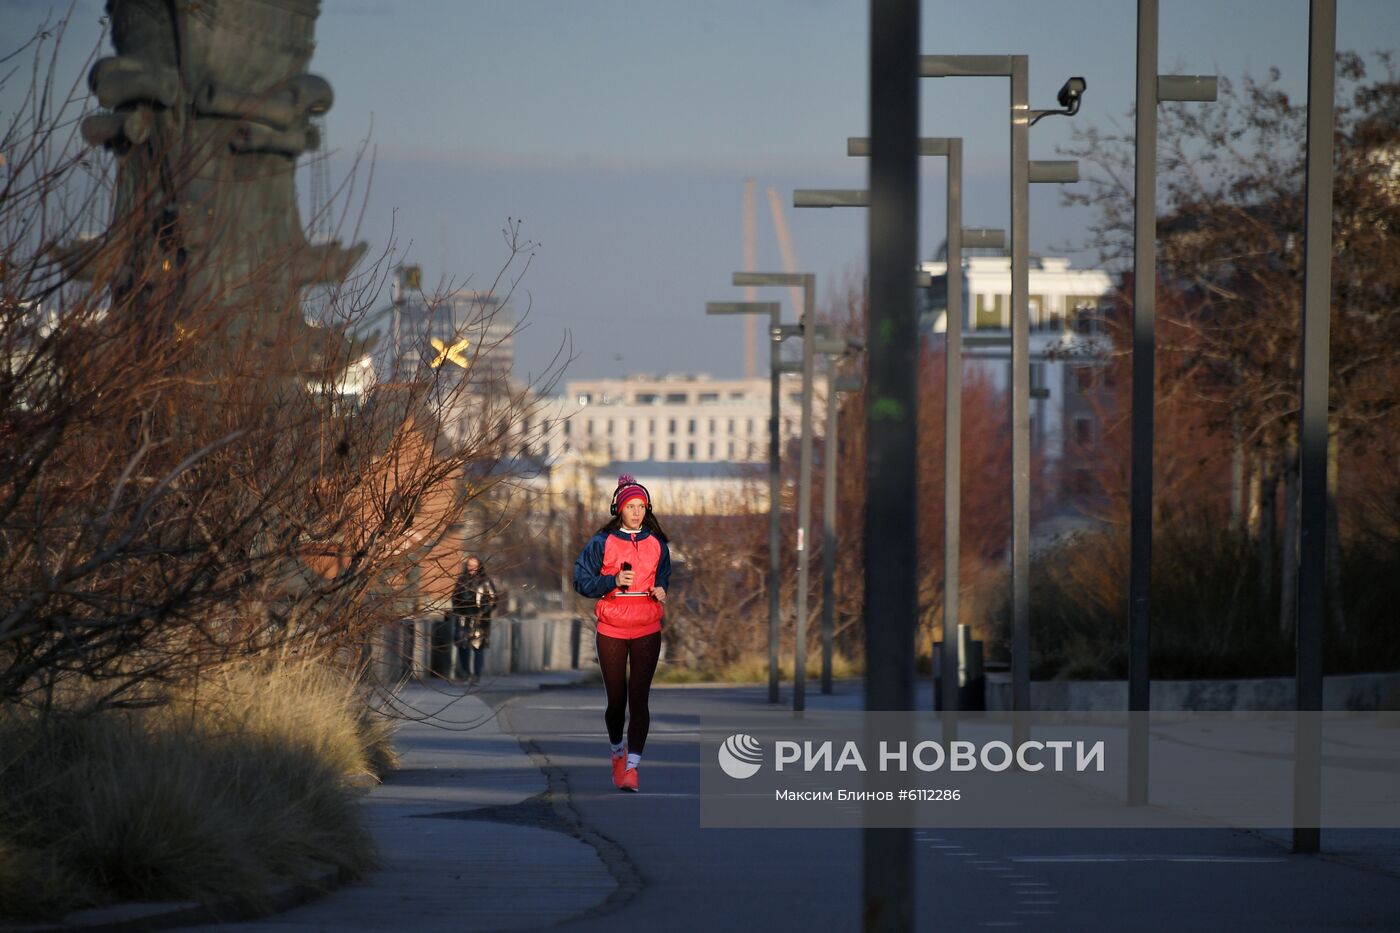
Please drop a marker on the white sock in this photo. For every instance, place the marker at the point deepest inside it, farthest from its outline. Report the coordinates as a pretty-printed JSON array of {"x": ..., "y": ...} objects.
[
  {"x": 633, "y": 759},
  {"x": 619, "y": 748}
]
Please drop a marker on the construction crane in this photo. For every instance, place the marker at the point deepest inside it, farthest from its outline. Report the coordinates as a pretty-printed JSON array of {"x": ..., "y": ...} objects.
[
  {"x": 775, "y": 204},
  {"x": 750, "y": 293}
]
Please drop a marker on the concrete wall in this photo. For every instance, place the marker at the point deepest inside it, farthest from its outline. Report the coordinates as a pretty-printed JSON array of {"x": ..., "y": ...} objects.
[{"x": 1345, "y": 692}]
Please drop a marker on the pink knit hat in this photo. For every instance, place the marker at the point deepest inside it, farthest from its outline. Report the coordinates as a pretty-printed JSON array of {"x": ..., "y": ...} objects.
[{"x": 627, "y": 489}]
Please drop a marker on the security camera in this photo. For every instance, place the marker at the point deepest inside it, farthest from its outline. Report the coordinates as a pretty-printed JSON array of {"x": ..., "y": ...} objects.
[{"x": 1069, "y": 94}]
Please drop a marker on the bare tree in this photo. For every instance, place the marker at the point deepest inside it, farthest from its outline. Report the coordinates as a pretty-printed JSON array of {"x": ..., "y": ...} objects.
[{"x": 190, "y": 474}]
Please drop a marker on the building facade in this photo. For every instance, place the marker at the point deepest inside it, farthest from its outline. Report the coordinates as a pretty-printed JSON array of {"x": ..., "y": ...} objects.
[
  {"x": 702, "y": 442},
  {"x": 1068, "y": 348}
]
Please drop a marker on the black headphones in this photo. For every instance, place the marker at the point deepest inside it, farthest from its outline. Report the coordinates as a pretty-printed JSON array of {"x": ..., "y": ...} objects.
[{"x": 612, "y": 508}]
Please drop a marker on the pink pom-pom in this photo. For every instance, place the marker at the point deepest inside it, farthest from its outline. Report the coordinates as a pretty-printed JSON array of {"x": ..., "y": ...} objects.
[{"x": 626, "y": 479}]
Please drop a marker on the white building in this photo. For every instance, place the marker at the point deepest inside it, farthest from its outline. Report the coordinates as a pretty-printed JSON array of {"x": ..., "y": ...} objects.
[
  {"x": 698, "y": 443},
  {"x": 1067, "y": 346}
]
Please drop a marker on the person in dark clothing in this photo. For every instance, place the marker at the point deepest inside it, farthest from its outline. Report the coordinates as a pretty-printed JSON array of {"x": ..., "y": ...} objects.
[
  {"x": 473, "y": 601},
  {"x": 626, "y": 566}
]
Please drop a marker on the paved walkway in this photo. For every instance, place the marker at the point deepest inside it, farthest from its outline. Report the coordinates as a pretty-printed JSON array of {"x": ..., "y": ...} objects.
[{"x": 503, "y": 817}]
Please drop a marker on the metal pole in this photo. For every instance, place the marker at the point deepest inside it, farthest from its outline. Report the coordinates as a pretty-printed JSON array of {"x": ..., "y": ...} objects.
[
  {"x": 1144, "y": 369},
  {"x": 1312, "y": 428},
  {"x": 828, "y": 523},
  {"x": 952, "y": 434},
  {"x": 775, "y": 491},
  {"x": 891, "y": 443},
  {"x": 804, "y": 491},
  {"x": 1020, "y": 398}
]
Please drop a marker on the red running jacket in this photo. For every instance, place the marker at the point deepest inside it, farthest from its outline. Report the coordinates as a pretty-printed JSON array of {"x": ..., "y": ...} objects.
[{"x": 595, "y": 576}]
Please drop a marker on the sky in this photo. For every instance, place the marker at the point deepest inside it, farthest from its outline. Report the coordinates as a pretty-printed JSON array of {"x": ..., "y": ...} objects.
[{"x": 619, "y": 133}]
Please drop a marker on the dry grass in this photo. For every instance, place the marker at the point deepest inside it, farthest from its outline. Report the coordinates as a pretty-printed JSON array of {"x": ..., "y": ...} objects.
[
  {"x": 232, "y": 789},
  {"x": 1215, "y": 609}
]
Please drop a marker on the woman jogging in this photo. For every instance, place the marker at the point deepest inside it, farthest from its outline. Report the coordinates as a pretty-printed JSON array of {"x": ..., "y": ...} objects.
[{"x": 626, "y": 566}]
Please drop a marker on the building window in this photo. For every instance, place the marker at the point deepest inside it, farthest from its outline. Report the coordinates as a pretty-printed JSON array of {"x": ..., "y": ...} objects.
[
  {"x": 610, "y": 427},
  {"x": 731, "y": 450},
  {"x": 631, "y": 451},
  {"x": 712, "y": 425},
  {"x": 1086, "y": 314},
  {"x": 736, "y": 396},
  {"x": 672, "y": 428},
  {"x": 712, "y": 450},
  {"x": 588, "y": 427},
  {"x": 690, "y": 451},
  {"x": 646, "y": 398},
  {"x": 568, "y": 426},
  {"x": 709, "y": 397},
  {"x": 1084, "y": 378},
  {"x": 990, "y": 313},
  {"x": 675, "y": 398},
  {"x": 671, "y": 451},
  {"x": 1042, "y": 318},
  {"x": 631, "y": 427},
  {"x": 1083, "y": 430},
  {"x": 731, "y": 425},
  {"x": 690, "y": 426},
  {"x": 584, "y": 398}
]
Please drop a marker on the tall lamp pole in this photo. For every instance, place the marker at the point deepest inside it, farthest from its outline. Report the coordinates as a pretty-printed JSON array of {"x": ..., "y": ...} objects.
[
  {"x": 1312, "y": 425},
  {"x": 1152, "y": 89},
  {"x": 956, "y": 237},
  {"x": 833, "y": 350},
  {"x": 774, "y": 310},
  {"x": 891, "y": 404},
  {"x": 1016, "y": 67},
  {"x": 808, "y": 283}
]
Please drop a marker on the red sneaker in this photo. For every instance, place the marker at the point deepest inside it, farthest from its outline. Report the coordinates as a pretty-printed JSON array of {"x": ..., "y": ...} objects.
[
  {"x": 629, "y": 780},
  {"x": 619, "y": 765}
]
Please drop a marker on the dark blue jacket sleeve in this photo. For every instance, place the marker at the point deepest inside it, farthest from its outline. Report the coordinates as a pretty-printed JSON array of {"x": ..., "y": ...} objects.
[
  {"x": 588, "y": 581},
  {"x": 663, "y": 568}
]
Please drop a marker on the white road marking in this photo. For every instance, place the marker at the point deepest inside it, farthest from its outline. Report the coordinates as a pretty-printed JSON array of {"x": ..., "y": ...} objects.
[
  {"x": 583, "y": 706},
  {"x": 1075, "y": 859}
]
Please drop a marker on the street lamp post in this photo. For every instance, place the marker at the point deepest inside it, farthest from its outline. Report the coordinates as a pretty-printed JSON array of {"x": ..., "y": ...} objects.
[
  {"x": 808, "y": 283},
  {"x": 955, "y": 235},
  {"x": 891, "y": 403},
  {"x": 774, "y": 310},
  {"x": 1016, "y": 67},
  {"x": 1312, "y": 424},
  {"x": 1152, "y": 89},
  {"x": 833, "y": 349}
]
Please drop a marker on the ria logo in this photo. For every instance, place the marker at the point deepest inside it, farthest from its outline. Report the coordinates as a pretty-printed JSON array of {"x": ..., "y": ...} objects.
[{"x": 741, "y": 756}]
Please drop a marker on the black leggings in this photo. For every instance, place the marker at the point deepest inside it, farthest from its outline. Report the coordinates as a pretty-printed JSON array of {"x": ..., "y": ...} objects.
[{"x": 613, "y": 655}]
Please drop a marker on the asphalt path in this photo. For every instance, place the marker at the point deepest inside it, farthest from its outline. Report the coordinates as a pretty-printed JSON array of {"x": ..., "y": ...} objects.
[{"x": 675, "y": 875}]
